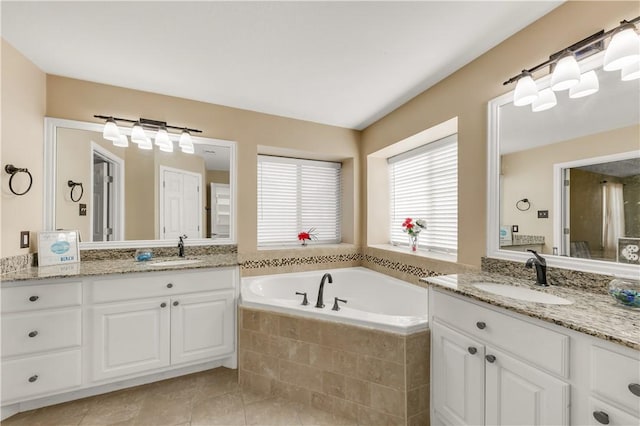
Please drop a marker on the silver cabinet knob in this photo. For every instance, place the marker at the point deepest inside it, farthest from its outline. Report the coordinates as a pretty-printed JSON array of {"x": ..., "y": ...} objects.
[
  {"x": 481, "y": 325},
  {"x": 634, "y": 388},
  {"x": 163, "y": 305},
  {"x": 490, "y": 358},
  {"x": 33, "y": 298},
  {"x": 33, "y": 333},
  {"x": 176, "y": 303},
  {"x": 472, "y": 350},
  {"x": 33, "y": 378},
  {"x": 169, "y": 285},
  {"x": 601, "y": 417}
]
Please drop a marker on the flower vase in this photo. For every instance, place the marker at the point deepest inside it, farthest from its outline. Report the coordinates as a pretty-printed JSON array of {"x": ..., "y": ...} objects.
[
  {"x": 413, "y": 240},
  {"x": 304, "y": 242}
]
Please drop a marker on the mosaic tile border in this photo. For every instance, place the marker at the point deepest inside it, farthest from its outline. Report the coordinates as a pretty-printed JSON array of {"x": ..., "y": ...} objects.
[
  {"x": 16, "y": 263},
  {"x": 594, "y": 283}
]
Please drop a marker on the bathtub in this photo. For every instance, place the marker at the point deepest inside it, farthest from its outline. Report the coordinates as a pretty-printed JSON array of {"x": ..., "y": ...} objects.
[{"x": 374, "y": 300}]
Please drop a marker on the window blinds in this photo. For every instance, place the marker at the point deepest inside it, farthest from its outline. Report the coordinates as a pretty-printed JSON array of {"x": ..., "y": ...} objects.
[
  {"x": 424, "y": 185},
  {"x": 296, "y": 195}
]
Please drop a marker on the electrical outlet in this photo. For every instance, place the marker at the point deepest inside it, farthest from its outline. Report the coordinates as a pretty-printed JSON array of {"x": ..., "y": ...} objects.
[
  {"x": 543, "y": 214},
  {"x": 514, "y": 228},
  {"x": 82, "y": 209},
  {"x": 24, "y": 239}
]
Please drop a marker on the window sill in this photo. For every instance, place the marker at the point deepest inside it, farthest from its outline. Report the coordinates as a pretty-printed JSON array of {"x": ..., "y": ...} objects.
[
  {"x": 309, "y": 246},
  {"x": 420, "y": 253}
]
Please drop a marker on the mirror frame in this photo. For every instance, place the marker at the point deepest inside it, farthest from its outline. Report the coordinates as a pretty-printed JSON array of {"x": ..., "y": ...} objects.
[
  {"x": 493, "y": 195},
  {"x": 50, "y": 147}
]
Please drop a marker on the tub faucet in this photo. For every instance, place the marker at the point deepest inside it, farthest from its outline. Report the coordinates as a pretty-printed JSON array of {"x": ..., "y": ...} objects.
[
  {"x": 541, "y": 267},
  {"x": 181, "y": 245},
  {"x": 320, "y": 302}
]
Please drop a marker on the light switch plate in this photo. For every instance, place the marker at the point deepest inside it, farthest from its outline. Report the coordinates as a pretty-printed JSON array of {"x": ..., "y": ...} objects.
[
  {"x": 24, "y": 239},
  {"x": 543, "y": 214}
]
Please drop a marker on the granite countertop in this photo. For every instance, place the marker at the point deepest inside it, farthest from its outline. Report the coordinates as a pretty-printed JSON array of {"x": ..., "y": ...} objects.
[
  {"x": 594, "y": 314},
  {"x": 118, "y": 266}
]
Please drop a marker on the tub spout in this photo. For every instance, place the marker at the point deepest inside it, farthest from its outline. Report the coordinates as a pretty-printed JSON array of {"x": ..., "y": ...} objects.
[{"x": 320, "y": 302}]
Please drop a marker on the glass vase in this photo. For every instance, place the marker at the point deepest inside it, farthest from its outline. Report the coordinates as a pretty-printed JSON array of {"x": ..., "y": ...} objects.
[{"x": 413, "y": 243}]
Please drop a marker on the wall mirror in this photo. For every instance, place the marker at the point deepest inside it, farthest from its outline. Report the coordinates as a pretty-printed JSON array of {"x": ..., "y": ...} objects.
[
  {"x": 120, "y": 197},
  {"x": 566, "y": 181}
]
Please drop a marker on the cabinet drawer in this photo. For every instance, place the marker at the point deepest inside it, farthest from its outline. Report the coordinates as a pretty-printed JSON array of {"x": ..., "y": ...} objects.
[
  {"x": 600, "y": 413},
  {"x": 31, "y": 332},
  {"x": 137, "y": 286},
  {"x": 612, "y": 376},
  {"x": 33, "y": 297},
  {"x": 540, "y": 346},
  {"x": 27, "y": 377}
]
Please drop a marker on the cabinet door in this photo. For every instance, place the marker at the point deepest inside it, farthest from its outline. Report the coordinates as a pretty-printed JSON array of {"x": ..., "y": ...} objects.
[
  {"x": 130, "y": 338},
  {"x": 458, "y": 376},
  {"x": 518, "y": 394},
  {"x": 202, "y": 326}
]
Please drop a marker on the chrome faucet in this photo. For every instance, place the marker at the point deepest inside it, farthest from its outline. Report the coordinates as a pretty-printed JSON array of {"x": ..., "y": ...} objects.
[
  {"x": 320, "y": 302},
  {"x": 181, "y": 245},
  {"x": 541, "y": 267}
]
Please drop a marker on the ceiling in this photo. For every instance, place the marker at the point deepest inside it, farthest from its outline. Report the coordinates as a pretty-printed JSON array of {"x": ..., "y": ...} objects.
[{"x": 345, "y": 64}]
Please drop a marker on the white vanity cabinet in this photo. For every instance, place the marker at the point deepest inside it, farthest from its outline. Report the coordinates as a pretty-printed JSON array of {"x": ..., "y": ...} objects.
[
  {"x": 142, "y": 323},
  {"x": 491, "y": 368},
  {"x": 41, "y": 339}
]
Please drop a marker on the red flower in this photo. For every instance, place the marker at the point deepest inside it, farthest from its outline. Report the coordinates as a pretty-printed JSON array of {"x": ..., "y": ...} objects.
[{"x": 304, "y": 236}]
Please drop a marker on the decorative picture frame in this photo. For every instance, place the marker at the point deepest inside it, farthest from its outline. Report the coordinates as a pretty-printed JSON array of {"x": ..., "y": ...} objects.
[
  {"x": 628, "y": 251},
  {"x": 58, "y": 248}
]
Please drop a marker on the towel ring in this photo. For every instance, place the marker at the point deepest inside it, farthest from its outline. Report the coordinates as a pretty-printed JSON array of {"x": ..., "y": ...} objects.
[
  {"x": 13, "y": 170},
  {"x": 73, "y": 185},
  {"x": 523, "y": 205}
]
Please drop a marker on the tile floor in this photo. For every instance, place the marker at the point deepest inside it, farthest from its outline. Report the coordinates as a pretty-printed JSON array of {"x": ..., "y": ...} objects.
[{"x": 211, "y": 397}]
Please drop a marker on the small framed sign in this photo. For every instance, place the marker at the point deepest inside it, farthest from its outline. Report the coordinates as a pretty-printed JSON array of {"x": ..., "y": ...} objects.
[{"x": 58, "y": 248}]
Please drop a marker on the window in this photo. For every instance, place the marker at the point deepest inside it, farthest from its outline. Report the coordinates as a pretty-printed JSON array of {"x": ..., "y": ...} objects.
[
  {"x": 296, "y": 195},
  {"x": 424, "y": 185}
]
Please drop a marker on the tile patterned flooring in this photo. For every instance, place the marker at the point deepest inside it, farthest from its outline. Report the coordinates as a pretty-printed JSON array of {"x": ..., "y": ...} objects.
[{"x": 211, "y": 397}]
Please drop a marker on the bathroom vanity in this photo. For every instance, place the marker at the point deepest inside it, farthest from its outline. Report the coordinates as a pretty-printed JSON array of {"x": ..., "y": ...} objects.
[
  {"x": 500, "y": 361},
  {"x": 72, "y": 336}
]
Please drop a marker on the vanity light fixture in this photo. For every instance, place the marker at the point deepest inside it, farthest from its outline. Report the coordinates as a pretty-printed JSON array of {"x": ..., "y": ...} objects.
[
  {"x": 622, "y": 53},
  {"x": 546, "y": 100},
  {"x": 140, "y": 137}
]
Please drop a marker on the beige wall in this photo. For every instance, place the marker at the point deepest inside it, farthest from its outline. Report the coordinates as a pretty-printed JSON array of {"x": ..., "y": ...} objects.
[
  {"x": 23, "y": 107},
  {"x": 465, "y": 94},
  {"x": 529, "y": 174}
]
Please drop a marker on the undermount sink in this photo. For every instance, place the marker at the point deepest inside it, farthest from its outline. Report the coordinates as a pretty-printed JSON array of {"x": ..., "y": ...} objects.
[
  {"x": 522, "y": 293},
  {"x": 177, "y": 262}
]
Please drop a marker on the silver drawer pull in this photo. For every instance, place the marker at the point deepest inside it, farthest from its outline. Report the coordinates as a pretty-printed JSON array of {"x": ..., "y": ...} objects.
[
  {"x": 33, "y": 333},
  {"x": 481, "y": 325},
  {"x": 169, "y": 285},
  {"x": 635, "y": 388},
  {"x": 33, "y": 298},
  {"x": 601, "y": 417},
  {"x": 33, "y": 378},
  {"x": 176, "y": 303},
  {"x": 490, "y": 358},
  {"x": 472, "y": 350},
  {"x": 163, "y": 305}
]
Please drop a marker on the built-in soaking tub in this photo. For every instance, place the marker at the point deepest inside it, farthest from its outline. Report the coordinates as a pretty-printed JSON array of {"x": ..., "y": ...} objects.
[{"x": 374, "y": 300}]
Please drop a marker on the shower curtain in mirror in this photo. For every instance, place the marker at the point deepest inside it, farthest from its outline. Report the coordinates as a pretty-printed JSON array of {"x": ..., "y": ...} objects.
[{"x": 612, "y": 217}]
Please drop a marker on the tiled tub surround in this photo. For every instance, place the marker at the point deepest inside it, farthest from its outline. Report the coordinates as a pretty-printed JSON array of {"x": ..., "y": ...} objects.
[
  {"x": 595, "y": 314},
  {"x": 369, "y": 376}
]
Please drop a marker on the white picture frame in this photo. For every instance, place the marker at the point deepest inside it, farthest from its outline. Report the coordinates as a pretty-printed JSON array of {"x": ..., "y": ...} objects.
[{"x": 58, "y": 248}]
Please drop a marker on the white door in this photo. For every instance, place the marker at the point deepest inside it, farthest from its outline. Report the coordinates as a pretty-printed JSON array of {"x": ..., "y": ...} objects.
[
  {"x": 130, "y": 337},
  {"x": 518, "y": 394},
  {"x": 458, "y": 376},
  {"x": 100, "y": 200},
  {"x": 202, "y": 326},
  {"x": 220, "y": 212},
  {"x": 181, "y": 212}
]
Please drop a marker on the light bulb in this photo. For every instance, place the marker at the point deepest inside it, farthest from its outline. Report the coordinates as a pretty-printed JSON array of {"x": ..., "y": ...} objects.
[
  {"x": 111, "y": 131},
  {"x": 137, "y": 134},
  {"x": 545, "y": 101},
  {"x": 122, "y": 141},
  {"x": 185, "y": 139},
  {"x": 630, "y": 72},
  {"x": 624, "y": 49},
  {"x": 588, "y": 85},
  {"x": 146, "y": 144},
  {"x": 566, "y": 74},
  {"x": 162, "y": 138},
  {"x": 526, "y": 90}
]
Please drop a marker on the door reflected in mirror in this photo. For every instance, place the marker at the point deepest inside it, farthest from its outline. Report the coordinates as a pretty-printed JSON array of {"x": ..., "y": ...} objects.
[
  {"x": 577, "y": 165},
  {"x": 137, "y": 194}
]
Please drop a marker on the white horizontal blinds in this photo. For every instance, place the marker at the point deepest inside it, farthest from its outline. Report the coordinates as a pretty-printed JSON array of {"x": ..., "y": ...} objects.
[
  {"x": 424, "y": 185},
  {"x": 295, "y": 195}
]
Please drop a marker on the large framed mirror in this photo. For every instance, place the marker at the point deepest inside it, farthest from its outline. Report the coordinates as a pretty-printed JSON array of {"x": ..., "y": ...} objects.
[
  {"x": 119, "y": 197},
  {"x": 566, "y": 181}
]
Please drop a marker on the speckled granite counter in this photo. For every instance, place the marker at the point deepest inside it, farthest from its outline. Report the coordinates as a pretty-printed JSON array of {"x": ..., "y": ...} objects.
[
  {"x": 594, "y": 314},
  {"x": 118, "y": 266}
]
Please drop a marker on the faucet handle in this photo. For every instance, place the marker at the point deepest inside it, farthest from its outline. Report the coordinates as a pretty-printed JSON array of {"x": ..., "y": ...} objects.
[
  {"x": 304, "y": 299},
  {"x": 335, "y": 304}
]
